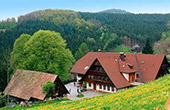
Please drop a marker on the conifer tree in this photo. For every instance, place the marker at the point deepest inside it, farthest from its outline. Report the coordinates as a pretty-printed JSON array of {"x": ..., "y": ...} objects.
[{"x": 147, "y": 49}]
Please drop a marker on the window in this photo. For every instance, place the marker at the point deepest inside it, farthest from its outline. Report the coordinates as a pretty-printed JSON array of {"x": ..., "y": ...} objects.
[
  {"x": 100, "y": 86},
  {"x": 86, "y": 67},
  {"x": 98, "y": 77},
  {"x": 89, "y": 76},
  {"x": 104, "y": 87},
  {"x": 108, "y": 88},
  {"x": 97, "y": 68},
  {"x": 106, "y": 78},
  {"x": 101, "y": 69},
  {"x": 92, "y": 77},
  {"x": 102, "y": 78},
  {"x": 95, "y": 77},
  {"x": 142, "y": 61},
  {"x": 137, "y": 75},
  {"x": 89, "y": 84},
  {"x": 112, "y": 88}
]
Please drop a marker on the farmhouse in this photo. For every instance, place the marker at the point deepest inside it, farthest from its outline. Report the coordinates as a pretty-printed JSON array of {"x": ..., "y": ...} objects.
[
  {"x": 110, "y": 72},
  {"x": 26, "y": 85}
]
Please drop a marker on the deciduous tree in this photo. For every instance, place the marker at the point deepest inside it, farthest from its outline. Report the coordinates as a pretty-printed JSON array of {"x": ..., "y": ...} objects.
[
  {"x": 44, "y": 51},
  {"x": 82, "y": 50}
]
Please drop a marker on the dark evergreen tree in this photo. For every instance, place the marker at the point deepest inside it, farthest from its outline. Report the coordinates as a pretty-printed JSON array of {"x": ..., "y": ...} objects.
[{"x": 147, "y": 49}]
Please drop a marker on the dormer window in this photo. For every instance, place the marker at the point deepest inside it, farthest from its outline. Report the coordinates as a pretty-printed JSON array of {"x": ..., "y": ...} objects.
[
  {"x": 131, "y": 66},
  {"x": 142, "y": 61},
  {"x": 86, "y": 67},
  {"x": 123, "y": 66}
]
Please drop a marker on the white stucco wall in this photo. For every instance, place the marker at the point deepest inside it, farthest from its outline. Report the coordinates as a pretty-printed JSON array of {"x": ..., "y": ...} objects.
[
  {"x": 102, "y": 89},
  {"x": 78, "y": 77},
  {"x": 126, "y": 76},
  {"x": 97, "y": 86},
  {"x": 89, "y": 87}
]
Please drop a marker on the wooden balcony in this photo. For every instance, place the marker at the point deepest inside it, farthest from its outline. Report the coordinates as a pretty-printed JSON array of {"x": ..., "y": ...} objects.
[
  {"x": 102, "y": 81},
  {"x": 95, "y": 72}
]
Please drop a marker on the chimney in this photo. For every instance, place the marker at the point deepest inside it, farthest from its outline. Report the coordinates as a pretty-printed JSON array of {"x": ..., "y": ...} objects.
[{"x": 122, "y": 56}]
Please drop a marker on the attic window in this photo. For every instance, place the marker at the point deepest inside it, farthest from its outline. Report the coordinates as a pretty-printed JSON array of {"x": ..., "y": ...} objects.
[
  {"x": 86, "y": 67},
  {"x": 131, "y": 66},
  {"x": 115, "y": 60},
  {"x": 142, "y": 61},
  {"x": 123, "y": 66}
]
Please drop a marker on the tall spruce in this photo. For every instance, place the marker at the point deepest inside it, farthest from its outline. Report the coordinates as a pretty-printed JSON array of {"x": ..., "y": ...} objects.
[{"x": 147, "y": 49}]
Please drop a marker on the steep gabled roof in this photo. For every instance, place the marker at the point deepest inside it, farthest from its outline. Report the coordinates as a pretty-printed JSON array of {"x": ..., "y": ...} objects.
[
  {"x": 111, "y": 68},
  {"x": 83, "y": 64},
  {"x": 126, "y": 67},
  {"x": 26, "y": 84},
  {"x": 149, "y": 64}
]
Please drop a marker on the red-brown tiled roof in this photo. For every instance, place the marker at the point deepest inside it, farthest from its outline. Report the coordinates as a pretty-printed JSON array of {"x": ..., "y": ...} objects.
[
  {"x": 149, "y": 65},
  {"x": 125, "y": 67},
  {"x": 110, "y": 67},
  {"x": 26, "y": 84}
]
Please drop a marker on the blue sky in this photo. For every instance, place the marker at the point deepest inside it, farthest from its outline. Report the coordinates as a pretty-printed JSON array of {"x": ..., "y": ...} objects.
[{"x": 15, "y": 8}]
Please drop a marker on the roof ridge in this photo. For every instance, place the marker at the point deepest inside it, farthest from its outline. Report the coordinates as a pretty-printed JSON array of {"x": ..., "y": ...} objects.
[{"x": 36, "y": 71}]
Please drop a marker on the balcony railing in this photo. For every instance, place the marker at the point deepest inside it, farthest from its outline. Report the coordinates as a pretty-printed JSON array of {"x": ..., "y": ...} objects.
[{"x": 101, "y": 81}]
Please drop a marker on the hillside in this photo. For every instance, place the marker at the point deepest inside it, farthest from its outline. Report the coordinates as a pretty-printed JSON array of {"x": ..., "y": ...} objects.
[
  {"x": 150, "y": 96},
  {"x": 104, "y": 31},
  {"x": 115, "y": 11}
]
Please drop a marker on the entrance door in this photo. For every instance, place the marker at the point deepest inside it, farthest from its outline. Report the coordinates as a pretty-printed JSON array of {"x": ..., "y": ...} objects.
[
  {"x": 94, "y": 86},
  {"x": 132, "y": 77}
]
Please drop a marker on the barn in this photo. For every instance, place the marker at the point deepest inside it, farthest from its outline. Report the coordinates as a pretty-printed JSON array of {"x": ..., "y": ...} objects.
[{"x": 25, "y": 85}]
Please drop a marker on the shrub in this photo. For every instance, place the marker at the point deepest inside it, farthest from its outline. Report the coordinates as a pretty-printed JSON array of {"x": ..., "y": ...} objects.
[
  {"x": 48, "y": 88},
  {"x": 2, "y": 100},
  {"x": 84, "y": 84},
  {"x": 80, "y": 95}
]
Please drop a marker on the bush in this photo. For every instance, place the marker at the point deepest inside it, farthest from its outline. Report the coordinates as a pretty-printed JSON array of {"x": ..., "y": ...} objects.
[
  {"x": 48, "y": 88},
  {"x": 84, "y": 84},
  {"x": 80, "y": 95},
  {"x": 2, "y": 100}
]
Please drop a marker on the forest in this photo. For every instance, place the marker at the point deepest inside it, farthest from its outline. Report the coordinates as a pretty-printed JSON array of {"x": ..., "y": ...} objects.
[{"x": 82, "y": 31}]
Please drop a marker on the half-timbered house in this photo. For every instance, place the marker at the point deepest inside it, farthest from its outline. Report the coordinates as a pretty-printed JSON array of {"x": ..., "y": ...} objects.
[{"x": 110, "y": 72}]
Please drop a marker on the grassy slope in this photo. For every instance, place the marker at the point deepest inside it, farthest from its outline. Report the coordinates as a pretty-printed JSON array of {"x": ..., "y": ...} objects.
[{"x": 150, "y": 96}]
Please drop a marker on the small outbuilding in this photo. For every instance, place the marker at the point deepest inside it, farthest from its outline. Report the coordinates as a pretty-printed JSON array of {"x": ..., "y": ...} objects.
[
  {"x": 25, "y": 85},
  {"x": 136, "y": 48}
]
